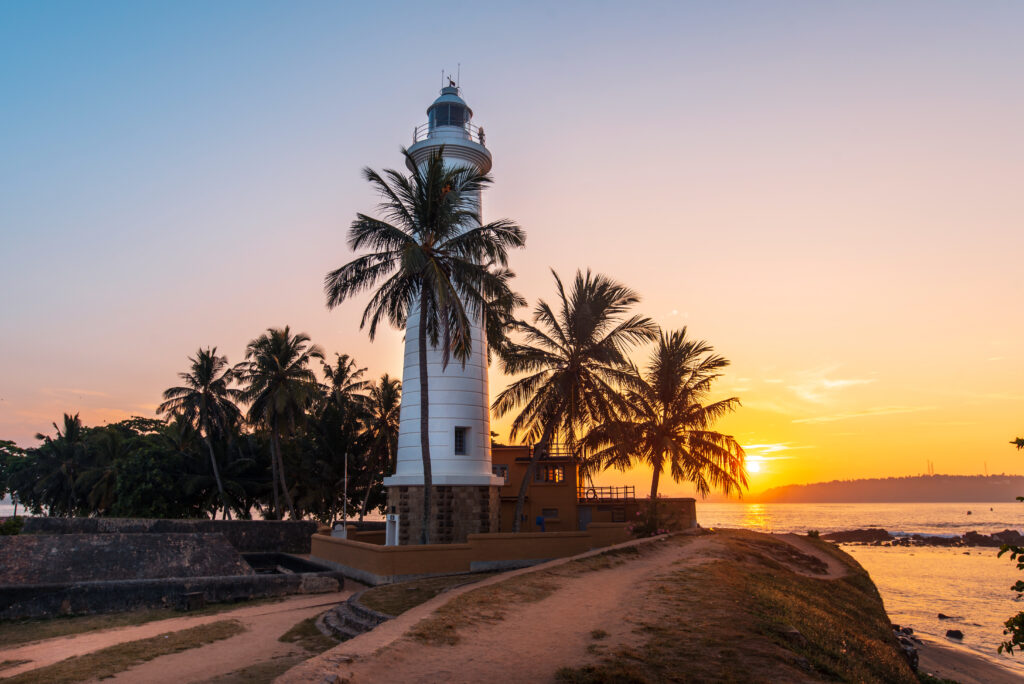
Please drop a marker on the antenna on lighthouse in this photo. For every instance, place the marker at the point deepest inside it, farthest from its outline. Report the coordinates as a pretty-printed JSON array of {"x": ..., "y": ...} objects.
[{"x": 458, "y": 75}]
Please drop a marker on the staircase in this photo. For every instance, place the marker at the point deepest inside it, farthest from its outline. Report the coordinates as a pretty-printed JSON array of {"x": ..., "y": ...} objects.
[{"x": 350, "y": 619}]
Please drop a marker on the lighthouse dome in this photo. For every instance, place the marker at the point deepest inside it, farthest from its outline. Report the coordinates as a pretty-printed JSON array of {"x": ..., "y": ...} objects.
[{"x": 449, "y": 109}]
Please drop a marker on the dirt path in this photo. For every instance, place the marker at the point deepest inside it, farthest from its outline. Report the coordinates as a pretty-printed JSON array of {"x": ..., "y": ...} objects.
[
  {"x": 264, "y": 624},
  {"x": 554, "y": 632}
]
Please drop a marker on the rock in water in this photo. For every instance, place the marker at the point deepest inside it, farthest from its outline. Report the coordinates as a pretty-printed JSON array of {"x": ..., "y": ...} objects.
[{"x": 954, "y": 634}]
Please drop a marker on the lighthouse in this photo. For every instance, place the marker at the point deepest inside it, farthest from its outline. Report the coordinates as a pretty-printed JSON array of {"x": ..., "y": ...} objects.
[{"x": 465, "y": 497}]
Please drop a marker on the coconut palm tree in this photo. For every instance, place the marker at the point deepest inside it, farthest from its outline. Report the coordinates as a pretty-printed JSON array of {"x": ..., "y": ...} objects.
[
  {"x": 428, "y": 254},
  {"x": 279, "y": 388},
  {"x": 207, "y": 401},
  {"x": 345, "y": 412},
  {"x": 574, "y": 356},
  {"x": 382, "y": 427},
  {"x": 670, "y": 422},
  {"x": 59, "y": 464}
]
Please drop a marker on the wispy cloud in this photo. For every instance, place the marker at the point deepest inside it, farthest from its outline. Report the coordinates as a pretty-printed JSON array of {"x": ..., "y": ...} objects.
[
  {"x": 866, "y": 413},
  {"x": 70, "y": 391},
  {"x": 772, "y": 451},
  {"x": 816, "y": 386}
]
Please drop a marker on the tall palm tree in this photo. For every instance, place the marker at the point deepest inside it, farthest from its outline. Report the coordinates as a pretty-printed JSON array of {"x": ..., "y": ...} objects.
[
  {"x": 574, "y": 356},
  {"x": 382, "y": 426},
  {"x": 207, "y": 401},
  {"x": 428, "y": 254},
  {"x": 60, "y": 462},
  {"x": 670, "y": 421},
  {"x": 280, "y": 387},
  {"x": 347, "y": 401}
]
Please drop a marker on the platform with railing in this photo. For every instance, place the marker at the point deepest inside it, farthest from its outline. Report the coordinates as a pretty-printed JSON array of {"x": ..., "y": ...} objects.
[
  {"x": 595, "y": 493},
  {"x": 467, "y": 130}
]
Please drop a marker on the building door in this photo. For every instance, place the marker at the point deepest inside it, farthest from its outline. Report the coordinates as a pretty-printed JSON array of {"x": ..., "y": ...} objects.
[{"x": 584, "y": 514}]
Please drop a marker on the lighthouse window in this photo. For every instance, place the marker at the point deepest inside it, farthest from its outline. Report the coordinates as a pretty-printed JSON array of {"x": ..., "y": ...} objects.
[
  {"x": 448, "y": 115},
  {"x": 460, "y": 440}
]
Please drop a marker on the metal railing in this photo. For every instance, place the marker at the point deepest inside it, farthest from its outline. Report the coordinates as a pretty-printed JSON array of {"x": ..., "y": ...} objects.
[
  {"x": 469, "y": 131},
  {"x": 595, "y": 493}
]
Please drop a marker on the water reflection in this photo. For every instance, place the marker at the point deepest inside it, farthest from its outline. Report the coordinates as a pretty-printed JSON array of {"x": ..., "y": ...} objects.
[{"x": 755, "y": 517}]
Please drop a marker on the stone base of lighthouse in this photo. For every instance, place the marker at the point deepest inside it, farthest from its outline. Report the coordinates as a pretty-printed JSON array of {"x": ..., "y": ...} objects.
[{"x": 455, "y": 512}]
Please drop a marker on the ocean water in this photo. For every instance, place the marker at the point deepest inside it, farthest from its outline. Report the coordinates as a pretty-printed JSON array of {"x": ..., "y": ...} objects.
[{"x": 916, "y": 583}]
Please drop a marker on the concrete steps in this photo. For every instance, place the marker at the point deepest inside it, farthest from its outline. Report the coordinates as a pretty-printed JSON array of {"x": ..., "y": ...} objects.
[{"x": 350, "y": 619}]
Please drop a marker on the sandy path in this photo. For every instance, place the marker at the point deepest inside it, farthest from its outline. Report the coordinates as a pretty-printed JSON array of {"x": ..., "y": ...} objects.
[
  {"x": 547, "y": 634},
  {"x": 264, "y": 624}
]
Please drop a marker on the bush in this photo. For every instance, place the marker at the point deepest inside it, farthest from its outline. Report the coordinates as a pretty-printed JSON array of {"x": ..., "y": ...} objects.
[
  {"x": 812, "y": 534},
  {"x": 12, "y": 526}
]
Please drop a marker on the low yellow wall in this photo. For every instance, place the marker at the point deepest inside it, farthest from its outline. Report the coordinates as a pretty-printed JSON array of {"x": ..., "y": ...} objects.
[{"x": 375, "y": 564}]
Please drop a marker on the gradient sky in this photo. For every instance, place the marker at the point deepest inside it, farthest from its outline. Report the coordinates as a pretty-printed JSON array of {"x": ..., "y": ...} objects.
[{"x": 829, "y": 193}]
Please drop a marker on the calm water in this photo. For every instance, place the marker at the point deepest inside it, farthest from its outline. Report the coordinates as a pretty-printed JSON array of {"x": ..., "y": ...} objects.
[{"x": 916, "y": 583}]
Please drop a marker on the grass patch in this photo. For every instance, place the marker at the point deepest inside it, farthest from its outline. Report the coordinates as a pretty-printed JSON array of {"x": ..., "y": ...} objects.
[
  {"x": 13, "y": 632},
  {"x": 395, "y": 599},
  {"x": 260, "y": 673},
  {"x": 746, "y": 612},
  {"x": 4, "y": 664},
  {"x": 109, "y": 661},
  {"x": 491, "y": 603},
  {"x": 309, "y": 637}
]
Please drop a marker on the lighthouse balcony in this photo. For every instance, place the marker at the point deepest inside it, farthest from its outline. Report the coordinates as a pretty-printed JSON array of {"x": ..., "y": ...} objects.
[{"x": 456, "y": 130}]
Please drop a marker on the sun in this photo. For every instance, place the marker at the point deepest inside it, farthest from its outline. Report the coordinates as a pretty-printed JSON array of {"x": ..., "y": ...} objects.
[{"x": 753, "y": 466}]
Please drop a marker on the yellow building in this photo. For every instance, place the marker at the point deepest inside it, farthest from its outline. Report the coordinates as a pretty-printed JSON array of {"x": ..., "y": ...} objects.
[{"x": 556, "y": 501}]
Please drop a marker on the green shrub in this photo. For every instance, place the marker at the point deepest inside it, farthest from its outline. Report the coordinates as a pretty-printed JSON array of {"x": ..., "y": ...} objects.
[{"x": 12, "y": 526}]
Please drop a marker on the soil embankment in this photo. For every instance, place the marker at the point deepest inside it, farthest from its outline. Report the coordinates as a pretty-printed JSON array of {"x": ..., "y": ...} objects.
[{"x": 731, "y": 605}]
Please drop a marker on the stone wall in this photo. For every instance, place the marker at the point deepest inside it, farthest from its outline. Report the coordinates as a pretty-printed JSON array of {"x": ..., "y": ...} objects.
[
  {"x": 245, "y": 535},
  {"x": 82, "y": 598},
  {"x": 53, "y": 559},
  {"x": 456, "y": 512}
]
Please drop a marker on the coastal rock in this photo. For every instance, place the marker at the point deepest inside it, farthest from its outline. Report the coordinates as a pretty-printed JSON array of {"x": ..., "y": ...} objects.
[
  {"x": 909, "y": 651},
  {"x": 954, "y": 634},
  {"x": 973, "y": 538},
  {"x": 872, "y": 534},
  {"x": 1009, "y": 537},
  {"x": 943, "y": 616}
]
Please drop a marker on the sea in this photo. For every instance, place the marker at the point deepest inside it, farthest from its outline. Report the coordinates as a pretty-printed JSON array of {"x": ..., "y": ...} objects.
[{"x": 916, "y": 583}]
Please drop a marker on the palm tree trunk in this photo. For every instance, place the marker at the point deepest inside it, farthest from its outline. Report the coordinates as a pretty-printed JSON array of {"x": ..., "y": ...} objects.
[
  {"x": 216, "y": 476},
  {"x": 654, "y": 496},
  {"x": 280, "y": 474},
  {"x": 273, "y": 470},
  {"x": 538, "y": 450},
  {"x": 428, "y": 480}
]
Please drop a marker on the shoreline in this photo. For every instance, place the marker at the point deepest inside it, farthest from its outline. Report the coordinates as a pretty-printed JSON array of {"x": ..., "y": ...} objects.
[{"x": 947, "y": 660}]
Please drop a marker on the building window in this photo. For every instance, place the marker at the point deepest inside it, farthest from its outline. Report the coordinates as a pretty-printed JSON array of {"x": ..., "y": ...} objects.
[
  {"x": 501, "y": 471},
  {"x": 549, "y": 513},
  {"x": 618, "y": 515},
  {"x": 460, "y": 440},
  {"x": 550, "y": 473}
]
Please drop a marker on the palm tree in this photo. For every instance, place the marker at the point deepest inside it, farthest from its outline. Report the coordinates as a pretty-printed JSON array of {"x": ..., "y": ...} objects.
[
  {"x": 350, "y": 406},
  {"x": 60, "y": 461},
  {"x": 207, "y": 401},
  {"x": 574, "y": 357},
  {"x": 280, "y": 388},
  {"x": 669, "y": 422},
  {"x": 429, "y": 255},
  {"x": 382, "y": 427}
]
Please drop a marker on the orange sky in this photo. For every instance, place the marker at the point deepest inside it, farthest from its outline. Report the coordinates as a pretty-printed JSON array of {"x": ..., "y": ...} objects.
[{"x": 828, "y": 194}]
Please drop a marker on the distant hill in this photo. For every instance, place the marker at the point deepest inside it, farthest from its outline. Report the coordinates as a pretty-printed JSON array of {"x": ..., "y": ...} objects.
[{"x": 917, "y": 489}]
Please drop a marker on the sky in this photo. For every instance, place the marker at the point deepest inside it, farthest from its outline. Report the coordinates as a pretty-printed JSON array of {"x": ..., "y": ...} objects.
[{"x": 829, "y": 193}]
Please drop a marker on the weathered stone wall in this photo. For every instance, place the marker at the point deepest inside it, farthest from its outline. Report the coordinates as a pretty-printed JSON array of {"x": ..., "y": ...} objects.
[
  {"x": 456, "y": 512},
  {"x": 48, "y": 559},
  {"x": 49, "y": 600},
  {"x": 245, "y": 535}
]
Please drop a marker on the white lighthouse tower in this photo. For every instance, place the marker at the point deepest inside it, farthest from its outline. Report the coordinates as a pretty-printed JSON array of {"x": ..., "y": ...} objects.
[{"x": 465, "y": 496}]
